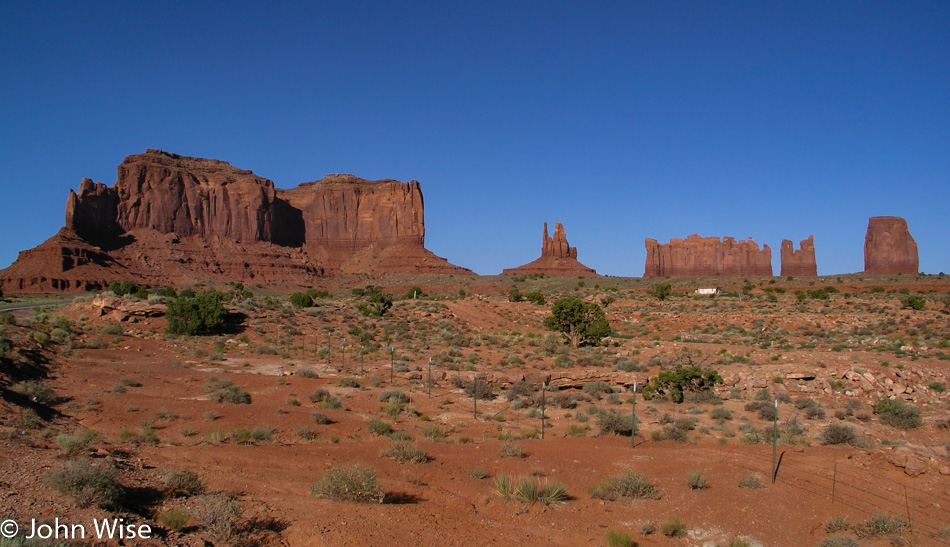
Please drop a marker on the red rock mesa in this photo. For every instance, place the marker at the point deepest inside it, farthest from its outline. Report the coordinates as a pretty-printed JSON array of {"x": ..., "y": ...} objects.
[
  {"x": 800, "y": 262},
  {"x": 889, "y": 247},
  {"x": 699, "y": 256},
  {"x": 558, "y": 258}
]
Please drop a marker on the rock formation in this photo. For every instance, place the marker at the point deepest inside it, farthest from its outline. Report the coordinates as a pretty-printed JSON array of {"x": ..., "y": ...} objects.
[
  {"x": 173, "y": 219},
  {"x": 889, "y": 247},
  {"x": 699, "y": 256},
  {"x": 558, "y": 258},
  {"x": 800, "y": 262}
]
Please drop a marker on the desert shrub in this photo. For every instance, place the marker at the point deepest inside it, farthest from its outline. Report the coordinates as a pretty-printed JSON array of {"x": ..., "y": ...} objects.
[
  {"x": 73, "y": 445},
  {"x": 262, "y": 434},
  {"x": 183, "y": 482},
  {"x": 89, "y": 483},
  {"x": 880, "y": 525},
  {"x": 614, "y": 424},
  {"x": 405, "y": 452},
  {"x": 37, "y": 392},
  {"x": 914, "y": 302},
  {"x": 520, "y": 389},
  {"x": 306, "y": 373},
  {"x": 301, "y": 300},
  {"x": 225, "y": 391},
  {"x": 627, "y": 365},
  {"x": 618, "y": 538},
  {"x": 531, "y": 490},
  {"x": 319, "y": 395},
  {"x": 897, "y": 413},
  {"x": 390, "y": 394},
  {"x": 567, "y": 400},
  {"x": 478, "y": 389},
  {"x": 696, "y": 480},
  {"x": 594, "y": 389},
  {"x": 680, "y": 380},
  {"x": 433, "y": 433},
  {"x": 720, "y": 413},
  {"x": 174, "y": 518},
  {"x": 346, "y": 381},
  {"x": 839, "y": 541},
  {"x": 202, "y": 313},
  {"x": 661, "y": 291},
  {"x": 514, "y": 295},
  {"x": 352, "y": 483},
  {"x": 629, "y": 485},
  {"x": 750, "y": 481},
  {"x": 535, "y": 297},
  {"x": 939, "y": 387},
  {"x": 837, "y": 524},
  {"x": 673, "y": 528},
  {"x": 379, "y": 427},
  {"x": 376, "y": 303},
  {"x": 478, "y": 473},
  {"x": 838, "y": 434},
  {"x": 511, "y": 450},
  {"x": 216, "y": 513}
]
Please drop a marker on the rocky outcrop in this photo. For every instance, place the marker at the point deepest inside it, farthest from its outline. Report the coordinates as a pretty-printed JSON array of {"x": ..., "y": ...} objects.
[
  {"x": 800, "y": 262},
  {"x": 700, "y": 256},
  {"x": 889, "y": 247},
  {"x": 172, "y": 219},
  {"x": 558, "y": 258}
]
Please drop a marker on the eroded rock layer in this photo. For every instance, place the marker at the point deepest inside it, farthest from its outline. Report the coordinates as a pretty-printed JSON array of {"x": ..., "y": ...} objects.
[
  {"x": 800, "y": 262},
  {"x": 558, "y": 258},
  {"x": 172, "y": 219},
  {"x": 699, "y": 256},
  {"x": 889, "y": 247}
]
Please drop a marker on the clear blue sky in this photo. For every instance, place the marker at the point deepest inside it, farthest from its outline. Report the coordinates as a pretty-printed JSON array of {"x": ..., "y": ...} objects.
[{"x": 623, "y": 120}]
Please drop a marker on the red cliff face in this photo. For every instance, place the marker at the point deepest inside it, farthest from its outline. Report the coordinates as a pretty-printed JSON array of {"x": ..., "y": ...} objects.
[
  {"x": 558, "y": 258},
  {"x": 700, "y": 256},
  {"x": 889, "y": 247},
  {"x": 801, "y": 262},
  {"x": 173, "y": 219}
]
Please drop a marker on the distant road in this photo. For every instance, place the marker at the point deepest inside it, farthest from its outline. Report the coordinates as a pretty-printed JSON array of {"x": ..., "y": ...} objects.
[{"x": 12, "y": 307}]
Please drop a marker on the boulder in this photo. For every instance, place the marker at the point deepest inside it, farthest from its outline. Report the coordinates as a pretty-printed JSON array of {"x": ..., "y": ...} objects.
[
  {"x": 706, "y": 256},
  {"x": 889, "y": 248}
]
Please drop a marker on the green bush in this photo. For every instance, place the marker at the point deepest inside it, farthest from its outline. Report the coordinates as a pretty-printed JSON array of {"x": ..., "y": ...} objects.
[
  {"x": 351, "y": 483},
  {"x": 536, "y": 297},
  {"x": 915, "y": 303},
  {"x": 661, "y": 291},
  {"x": 203, "y": 313},
  {"x": 696, "y": 480},
  {"x": 174, "y": 518},
  {"x": 37, "y": 392},
  {"x": 301, "y": 300},
  {"x": 580, "y": 322},
  {"x": 881, "y": 525},
  {"x": 376, "y": 302},
  {"x": 750, "y": 481},
  {"x": 225, "y": 391},
  {"x": 897, "y": 413},
  {"x": 612, "y": 423},
  {"x": 681, "y": 380},
  {"x": 379, "y": 427}
]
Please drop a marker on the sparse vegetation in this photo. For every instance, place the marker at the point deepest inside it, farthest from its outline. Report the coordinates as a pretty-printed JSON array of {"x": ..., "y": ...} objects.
[{"x": 352, "y": 483}]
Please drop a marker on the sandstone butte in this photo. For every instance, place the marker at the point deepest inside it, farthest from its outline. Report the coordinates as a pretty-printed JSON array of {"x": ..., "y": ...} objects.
[
  {"x": 177, "y": 220},
  {"x": 889, "y": 247},
  {"x": 558, "y": 258},
  {"x": 702, "y": 256},
  {"x": 800, "y": 262}
]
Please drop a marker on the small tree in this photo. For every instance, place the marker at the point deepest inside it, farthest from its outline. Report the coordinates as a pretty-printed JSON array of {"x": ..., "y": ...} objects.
[
  {"x": 580, "y": 322},
  {"x": 199, "y": 314},
  {"x": 301, "y": 300},
  {"x": 535, "y": 297},
  {"x": 376, "y": 304},
  {"x": 414, "y": 292},
  {"x": 661, "y": 291},
  {"x": 680, "y": 380}
]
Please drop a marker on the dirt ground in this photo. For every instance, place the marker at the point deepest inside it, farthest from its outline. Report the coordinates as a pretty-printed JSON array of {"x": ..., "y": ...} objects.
[{"x": 150, "y": 399}]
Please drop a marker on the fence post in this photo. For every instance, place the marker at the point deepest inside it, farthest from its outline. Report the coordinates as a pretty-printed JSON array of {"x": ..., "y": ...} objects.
[
  {"x": 633, "y": 419},
  {"x": 774, "y": 440},
  {"x": 542, "y": 410}
]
